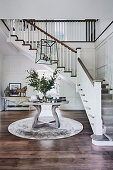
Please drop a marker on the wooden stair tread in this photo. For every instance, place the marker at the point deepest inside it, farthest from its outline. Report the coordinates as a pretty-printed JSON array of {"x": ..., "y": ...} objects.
[
  {"x": 32, "y": 49},
  {"x": 73, "y": 76},
  {"x": 68, "y": 71},
  {"x": 14, "y": 36},
  {"x": 27, "y": 45},
  {"x": 19, "y": 40},
  {"x": 60, "y": 67}
]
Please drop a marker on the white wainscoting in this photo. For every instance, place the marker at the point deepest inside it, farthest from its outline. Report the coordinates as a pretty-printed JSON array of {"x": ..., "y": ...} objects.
[
  {"x": 101, "y": 25},
  {"x": 104, "y": 56}
]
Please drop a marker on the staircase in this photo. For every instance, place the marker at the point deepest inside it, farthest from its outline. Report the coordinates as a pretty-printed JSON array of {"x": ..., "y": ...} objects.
[
  {"x": 107, "y": 112},
  {"x": 97, "y": 101}
]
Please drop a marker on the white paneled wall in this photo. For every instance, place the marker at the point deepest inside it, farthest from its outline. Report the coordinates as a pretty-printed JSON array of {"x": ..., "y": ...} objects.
[
  {"x": 101, "y": 25},
  {"x": 14, "y": 70},
  {"x": 104, "y": 56},
  {"x": 87, "y": 55}
]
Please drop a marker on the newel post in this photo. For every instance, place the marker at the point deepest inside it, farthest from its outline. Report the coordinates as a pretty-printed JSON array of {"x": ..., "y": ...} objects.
[
  {"x": 78, "y": 52},
  {"x": 78, "y": 56},
  {"x": 97, "y": 109}
]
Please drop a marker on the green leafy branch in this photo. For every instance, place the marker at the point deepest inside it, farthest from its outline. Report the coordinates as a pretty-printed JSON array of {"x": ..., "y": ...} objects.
[{"x": 41, "y": 84}]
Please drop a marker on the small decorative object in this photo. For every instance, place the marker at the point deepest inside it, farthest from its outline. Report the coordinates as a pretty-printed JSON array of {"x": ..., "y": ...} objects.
[
  {"x": 62, "y": 98},
  {"x": 38, "y": 98},
  {"x": 42, "y": 84},
  {"x": 50, "y": 98},
  {"x": 7, "y": 91},
  {"x": 33, "y": 98},
  {"x": 13, "y": 89},
  {"x": 23, "y": 90}
]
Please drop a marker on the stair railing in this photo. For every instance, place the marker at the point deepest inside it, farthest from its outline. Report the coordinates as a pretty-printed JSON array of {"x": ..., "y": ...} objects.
[{"x": 90, "y": 93}]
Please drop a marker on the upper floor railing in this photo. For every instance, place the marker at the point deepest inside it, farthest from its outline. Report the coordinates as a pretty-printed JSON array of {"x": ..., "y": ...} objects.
[{"x": 68, "y": 30}]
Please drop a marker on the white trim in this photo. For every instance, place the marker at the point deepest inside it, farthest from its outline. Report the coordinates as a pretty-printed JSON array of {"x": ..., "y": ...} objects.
[
  {"x": 104, "y": 37},
  {"x": 102, "y": 143}
]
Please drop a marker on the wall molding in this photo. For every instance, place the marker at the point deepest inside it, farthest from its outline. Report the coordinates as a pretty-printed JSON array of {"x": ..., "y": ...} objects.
[
  {"x": 104, "y": 30},
  {"x": 99, "y": 44}
]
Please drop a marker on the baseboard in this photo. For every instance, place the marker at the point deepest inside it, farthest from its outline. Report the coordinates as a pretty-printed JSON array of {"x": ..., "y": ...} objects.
[
  {"x": 102, "y": 143},
  {"x": 101, "y": 140}
]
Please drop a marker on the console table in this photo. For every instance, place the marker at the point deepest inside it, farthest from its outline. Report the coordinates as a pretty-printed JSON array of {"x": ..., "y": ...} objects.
[
  {"x": 37, "y": 105},
  {"x": 17, "y": 101}
]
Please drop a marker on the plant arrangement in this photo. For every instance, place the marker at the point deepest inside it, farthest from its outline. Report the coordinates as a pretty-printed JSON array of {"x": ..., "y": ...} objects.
[
  {"x": 42, "y": 84},
  {"x": 7, "y": 91}
]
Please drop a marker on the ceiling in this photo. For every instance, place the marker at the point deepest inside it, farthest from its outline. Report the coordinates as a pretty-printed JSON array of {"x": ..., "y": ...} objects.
[{"x": 56, "y": 9}]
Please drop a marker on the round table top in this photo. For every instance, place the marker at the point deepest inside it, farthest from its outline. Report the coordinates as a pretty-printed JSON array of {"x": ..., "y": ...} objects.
[{"x": 45, "y": 103}]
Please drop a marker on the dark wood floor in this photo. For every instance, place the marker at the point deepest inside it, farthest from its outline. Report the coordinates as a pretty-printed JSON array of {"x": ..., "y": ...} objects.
[{"x": 74, "y": 153}]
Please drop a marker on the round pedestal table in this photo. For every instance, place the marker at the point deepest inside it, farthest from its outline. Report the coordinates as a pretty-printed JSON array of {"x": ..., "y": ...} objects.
[{"x": 37, "y": 105}]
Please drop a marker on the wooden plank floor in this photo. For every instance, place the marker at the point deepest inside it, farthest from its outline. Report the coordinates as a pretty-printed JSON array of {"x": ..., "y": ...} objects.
[{"x": 74, "y": 153}]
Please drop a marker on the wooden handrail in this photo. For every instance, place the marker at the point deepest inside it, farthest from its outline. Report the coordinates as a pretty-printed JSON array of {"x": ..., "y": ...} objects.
[
  {"x": 49, "y": 35},
  {"x": 87, "y": 72}
]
